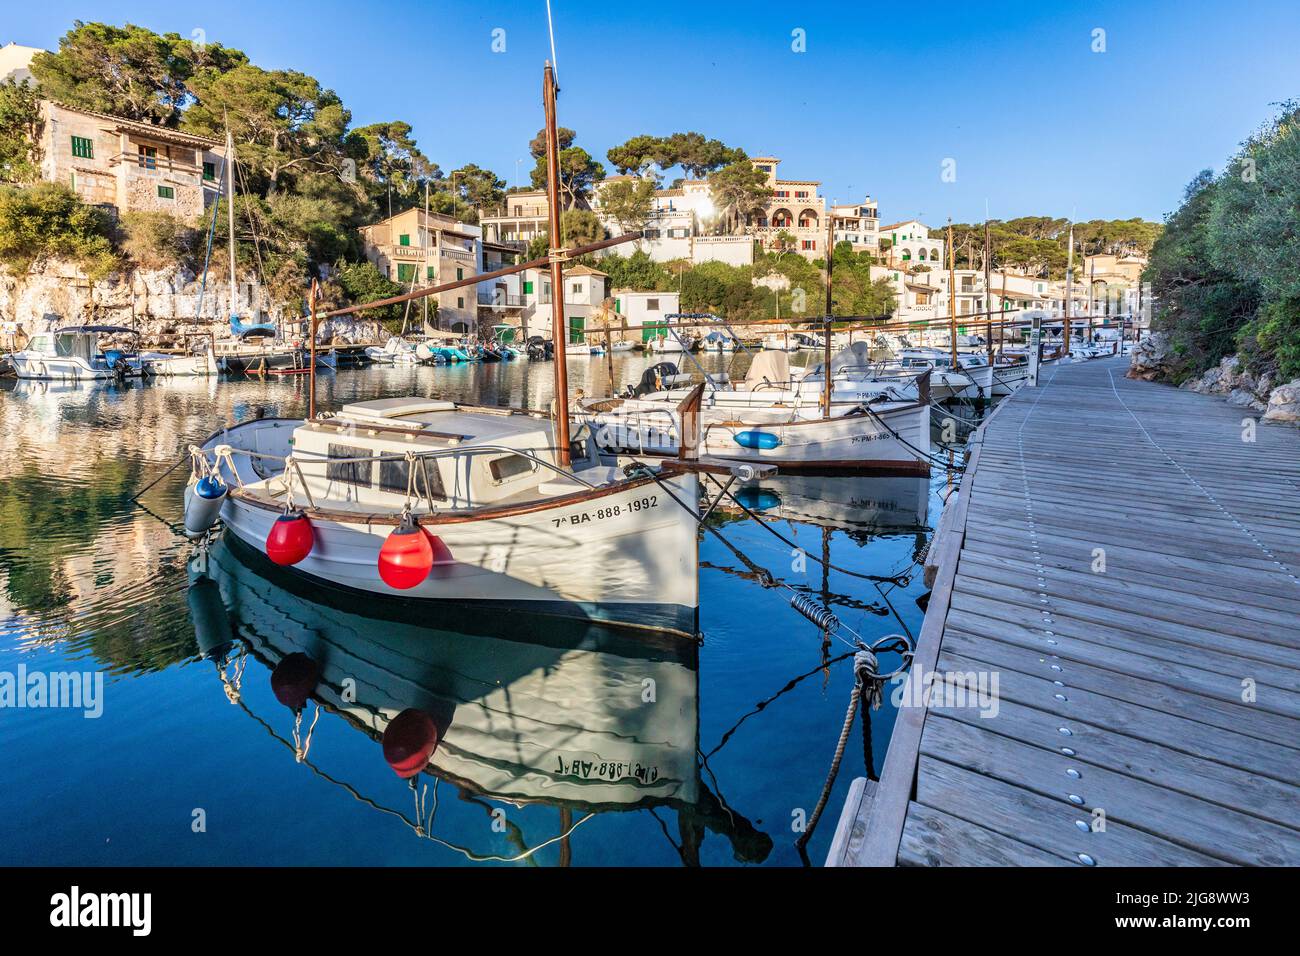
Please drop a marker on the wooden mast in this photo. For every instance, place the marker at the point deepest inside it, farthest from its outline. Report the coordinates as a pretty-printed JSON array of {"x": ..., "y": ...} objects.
[
  {"x": 230, "y": 210},
  {"x": 311, "y": 374},
  {"x": 826, "y": 361},
  {"x": 1069, "y": 289},
  {"x": 952, "y": 298},
  {"x": 988, "y": 293},
  {"x": 558, "y": 331}
]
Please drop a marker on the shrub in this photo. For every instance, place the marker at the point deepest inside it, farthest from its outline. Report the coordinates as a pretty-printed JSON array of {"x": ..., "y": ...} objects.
[
  {"x": 48, "y": 221},
  {"x": 157, "y": 240}
]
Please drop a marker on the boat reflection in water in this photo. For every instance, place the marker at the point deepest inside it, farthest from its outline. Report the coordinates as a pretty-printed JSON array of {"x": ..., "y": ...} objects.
[
  {"x": 582, "y": 717},
  {"x": 859, "y": 507}
]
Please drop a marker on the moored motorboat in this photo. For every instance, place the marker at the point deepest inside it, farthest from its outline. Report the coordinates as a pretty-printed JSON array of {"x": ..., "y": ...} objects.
[{"x": 72, "y": 353}]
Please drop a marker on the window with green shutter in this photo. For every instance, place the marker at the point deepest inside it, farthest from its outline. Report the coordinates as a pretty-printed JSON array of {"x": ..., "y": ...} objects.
[
  {"x": 576, "y": 327},
  {"x": 405, "y": 271},
  {"x": 460, "y": 274},
  {"x": 210, "y": 171},
  {"x": 166, "y": 192},
  {"x": 528, "y": 288},
  {"x": 83, "y": 148},
  {"x": 404, "y": 239},
  {"x": 428, "y": 272}
]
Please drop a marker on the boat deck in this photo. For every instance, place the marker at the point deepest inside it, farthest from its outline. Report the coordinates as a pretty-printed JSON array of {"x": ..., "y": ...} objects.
[{"x": 1122, "y": 560}]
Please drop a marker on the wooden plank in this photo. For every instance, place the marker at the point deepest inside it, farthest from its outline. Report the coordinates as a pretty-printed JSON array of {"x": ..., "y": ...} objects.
[
  {"x": 853, "y": 824},
  {"x": 934, "y": 838},
  {"x": 1212, "y": 829}
]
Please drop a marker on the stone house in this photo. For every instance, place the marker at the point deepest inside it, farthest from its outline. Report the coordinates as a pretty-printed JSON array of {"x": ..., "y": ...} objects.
[{"x": 127, "y": 165}]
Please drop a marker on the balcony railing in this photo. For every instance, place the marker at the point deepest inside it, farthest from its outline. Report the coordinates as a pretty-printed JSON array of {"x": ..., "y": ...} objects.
[
  {"x": 461, "y": 254},
  {"x": 501, "y": 300}
]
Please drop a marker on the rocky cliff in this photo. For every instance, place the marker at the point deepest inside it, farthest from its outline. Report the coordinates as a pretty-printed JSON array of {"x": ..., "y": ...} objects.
[
  {"x": 1154, "y": 360},
  {"x": 162, "y": 304}
]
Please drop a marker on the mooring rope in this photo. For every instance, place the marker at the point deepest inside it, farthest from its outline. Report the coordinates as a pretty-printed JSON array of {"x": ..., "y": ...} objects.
[{"x": 868, "y": 689}]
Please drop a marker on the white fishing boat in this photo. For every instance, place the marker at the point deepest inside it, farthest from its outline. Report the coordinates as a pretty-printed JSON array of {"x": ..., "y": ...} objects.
[
  {"x": 971, "y": 378},
  {"x": 507, "y": 525},
  {"x": 768, "y": 419},
  {"x": 891, "y": 437},
  {"x": 623, "y": 347},
  {"x": 73, "y": 354},
  {"x": 1009, "y": 377},
  {"x": 716, "y": 341}
]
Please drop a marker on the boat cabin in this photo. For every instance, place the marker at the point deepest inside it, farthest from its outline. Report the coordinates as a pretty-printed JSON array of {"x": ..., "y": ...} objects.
[{"x": 462, "y": 458}]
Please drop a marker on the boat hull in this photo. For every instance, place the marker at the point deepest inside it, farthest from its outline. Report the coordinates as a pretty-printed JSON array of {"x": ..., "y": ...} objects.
[
  {"x": 623, "y": 554},
  {"x": 894, "y": 441},
  {"x": 61, "y": 369}
]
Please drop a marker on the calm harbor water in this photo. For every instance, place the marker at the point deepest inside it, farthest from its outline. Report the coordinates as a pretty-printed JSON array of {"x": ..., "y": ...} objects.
[{"x": 642, "y": 751}]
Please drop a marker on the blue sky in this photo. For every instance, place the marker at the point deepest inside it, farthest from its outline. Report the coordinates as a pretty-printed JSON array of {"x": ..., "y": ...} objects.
[{"x": 1037, "y": 122}]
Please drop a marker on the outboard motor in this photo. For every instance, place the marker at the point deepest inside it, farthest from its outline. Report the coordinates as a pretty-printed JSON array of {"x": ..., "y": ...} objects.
[{"x": 653, "y": 379}]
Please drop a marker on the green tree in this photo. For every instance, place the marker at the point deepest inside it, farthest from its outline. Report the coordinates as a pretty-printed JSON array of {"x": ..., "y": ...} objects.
[
  {"x": 739, "y": 190},
  {"x": 20, "y": 130},
  {"x": 629, "y": 203},
  {"x": 283, "y": 122},
  {"x": 128, "y": 71},
  {"x": 637, "y": 155},
  {"x": 478, "y": 187},
  {"x": 388, "y": 159}
]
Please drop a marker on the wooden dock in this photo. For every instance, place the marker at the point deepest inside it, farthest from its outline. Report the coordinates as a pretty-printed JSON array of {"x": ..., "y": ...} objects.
[{"x": 1122, "y": 560}]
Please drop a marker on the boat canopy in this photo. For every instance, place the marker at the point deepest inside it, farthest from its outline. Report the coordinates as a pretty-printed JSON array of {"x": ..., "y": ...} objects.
[
  {"x": 111, "y": 329},
  {"x": 770, "y": 365}
]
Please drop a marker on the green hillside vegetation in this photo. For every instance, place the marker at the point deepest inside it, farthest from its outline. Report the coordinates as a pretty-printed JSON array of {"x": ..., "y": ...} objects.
[{"x": 1226, "y": 270}]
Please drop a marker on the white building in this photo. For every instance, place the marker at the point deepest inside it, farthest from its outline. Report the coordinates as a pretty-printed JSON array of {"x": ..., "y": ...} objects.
[
  {"x": 15, "y": 62},
  {"x": 645, "y": 312},
  {"x": 857, "y": 224},
  {"x": 910, "y": 243},
  {"x": 585, "y": 290}
]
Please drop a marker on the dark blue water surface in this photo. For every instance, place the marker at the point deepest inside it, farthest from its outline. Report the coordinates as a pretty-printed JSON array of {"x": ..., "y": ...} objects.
[{"x": 643, "y": 750}]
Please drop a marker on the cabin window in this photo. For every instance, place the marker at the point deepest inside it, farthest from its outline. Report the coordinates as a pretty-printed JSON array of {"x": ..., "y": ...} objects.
[
  {"x": 510, "y": 466},
  {"x": 148, "y": 157},
  {"x": 349, "y": 472},
  {"x": 405, "y": 271},
  {"x": 210, "y": 172},
  {"x": 393, "y": 476},
  {"x": 83, "y": 147},
  {"x": 166, "y": 192}
]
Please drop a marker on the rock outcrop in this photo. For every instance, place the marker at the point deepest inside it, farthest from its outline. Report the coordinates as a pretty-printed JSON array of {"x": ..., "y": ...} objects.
[
  {"x": 1284, "y": 403},
  {"x": 162, "y": 304},
  {"x": 1153, "y": 358}
]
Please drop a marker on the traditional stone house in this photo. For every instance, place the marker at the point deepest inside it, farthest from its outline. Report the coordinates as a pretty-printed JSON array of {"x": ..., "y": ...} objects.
[
  {"x": 127, "y": 165},
  {"x": 419, "y": 249}
]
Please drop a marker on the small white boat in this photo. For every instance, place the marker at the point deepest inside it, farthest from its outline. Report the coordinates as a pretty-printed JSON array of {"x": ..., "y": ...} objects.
[
  {"x": 396, "y": 351},
  {"x": 507, "y": 525},
  {"x": 972, "y": 377},
  {"x": 793, "y": 342},
  {"x": 198, "y": 361},
  {"x": 666, "y": 345},
  {"x": 73, "y": 354},
  {"x": 623, "y": 347}
]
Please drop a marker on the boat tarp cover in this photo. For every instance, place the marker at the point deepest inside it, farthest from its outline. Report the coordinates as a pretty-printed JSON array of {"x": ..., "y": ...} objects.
[{"x": 770, "y": 365}]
